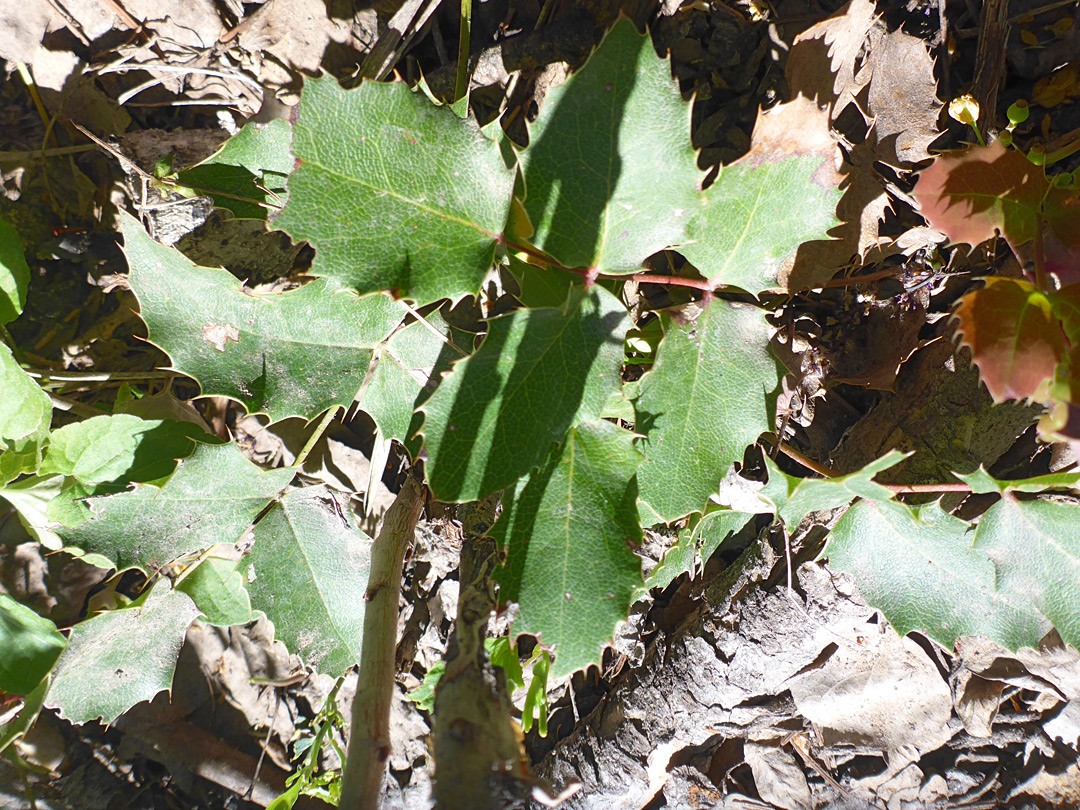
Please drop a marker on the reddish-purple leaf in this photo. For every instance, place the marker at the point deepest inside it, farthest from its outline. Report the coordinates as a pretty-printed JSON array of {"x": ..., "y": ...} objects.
[{"x": 1014, "y": 336}]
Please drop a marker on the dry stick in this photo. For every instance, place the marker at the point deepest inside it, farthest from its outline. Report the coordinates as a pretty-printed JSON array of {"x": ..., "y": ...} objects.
[{"x": 369, "y": 731}]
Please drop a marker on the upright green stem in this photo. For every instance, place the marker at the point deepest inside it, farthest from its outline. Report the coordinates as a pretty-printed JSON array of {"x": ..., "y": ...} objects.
[
  {"x": 462, "y": 84},
  {"x": 314, "y": 437}
]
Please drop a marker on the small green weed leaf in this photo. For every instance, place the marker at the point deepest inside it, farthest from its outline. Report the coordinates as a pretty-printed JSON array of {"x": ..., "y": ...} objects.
[
  {"x": 247, "y": 174},
  {"x": 121, "y": 657},
  {"x": 1035, "y": 549},
  {"x": 14, "y": 274},
  {"x": 25, "y": 414},
  {"x": 982, "y": 482},
  {"x": 537, "y": 373},
  {"x": 120, "y": 448},
  {"x": 794, "y": 498},
  {"x": 284, "y": 354},
  {"x": 33, "y": 496},
  {"x": 411, "y": 363},
  {"x": 610, "y": 173},
  {"x": 696, "y": 545},
  {"x": 211, "y": 499},
  {"x": 216, "y": 586},
  {"x": 29, "y": 646},
  {"x": 782, "y": 193},
  {"x": 568, "y": 534},
  {"x": 395, "y": 193},
  {"x": 1014, "y": 337},
  {"x": 703, "y": 402},
  {"x": 922, "y": 572},
  {"x": 307, "y": 572}
]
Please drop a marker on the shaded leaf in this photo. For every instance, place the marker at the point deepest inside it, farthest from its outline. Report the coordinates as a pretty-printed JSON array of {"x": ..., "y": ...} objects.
[
  {"x": 211, "y": 499},
  {"x": 393, "y": 192},
  {"x": 29, "y": 646},
  {"x": 121, "y": 657},
  {"x": 1014, "y": 337},
  {"x": 749, "y": 227},
  {"x": 610, "y": 172},
  {"x": 702, "y": 403},
  {"x": 284, "y": 354},
  {"x": 14, "y": 274},
  {"x": 537, "y": 373},
  {"x": 695, "y": 545},
  {"x": 920, "y": 569},
  {"x": 308, "y": 572},
  {"x": 25, "y": 415},
  {"x": 568, "y": 534}
]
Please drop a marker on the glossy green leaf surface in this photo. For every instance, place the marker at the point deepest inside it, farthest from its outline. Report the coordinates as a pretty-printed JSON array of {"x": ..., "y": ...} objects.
[
  {"x": 121, "y": 657},
  {"x": 29, "y": 646},
  {"x": 568, "y": 534},
  {"x": 14, "y": 274},
  {"x": 211, "y": 499},
  {"x": 25, "y": 414},
  {"x": 295, "y": 353},
  {"x": 247, "y": 174},
  {"x": 394, "y": 193},
  {"x": 119, "y": 448},
  {"x": 610, "y": 173},
  {"x": 702, "y": 403},
  {"x": 308, "y": 572},
  {"x": 922, "y": 571},
  {"x": 537, "y": 373}
]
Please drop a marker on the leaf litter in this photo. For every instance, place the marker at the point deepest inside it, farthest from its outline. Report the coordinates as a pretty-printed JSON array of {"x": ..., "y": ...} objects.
[{"x": 741, "y": 687}]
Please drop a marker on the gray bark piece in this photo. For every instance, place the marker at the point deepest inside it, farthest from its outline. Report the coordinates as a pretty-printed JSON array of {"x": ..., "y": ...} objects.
[{"x": 743, "y": 646}]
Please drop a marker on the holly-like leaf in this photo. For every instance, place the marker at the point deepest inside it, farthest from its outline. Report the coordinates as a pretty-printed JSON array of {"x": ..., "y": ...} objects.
[
  {"x": 760, "y": 209},
  {"x": 973, "y": 195},
  {"x": 1035, "y": 549},
  {"x": 922, "y": 572},
  {"x": 25, "y": 414},
  {"x": 703, "y": 402},
  {"x": 1014, "y": 336},
  {"x": 211, "y": 499},
  {"x": 247, "y": 174},
  {"x": 696, "y": 544},
  {"x": 393, "y": 192},
  {"x": 537, "y": 373},
  {"x": 568, "y": 533},
  {"x": 216, "y": 586},
  {"x": 284, "y": 354},
  {"x": 14, "y": 274},
  {"x": 29, "y": 646},
  {"x": 121, "y": 657},
  {"x": 308, "y": 572},
  {"x": 982, "y": 482},
  {"x": 119, "y": 448},
  {"x": 610, "y": 173}
]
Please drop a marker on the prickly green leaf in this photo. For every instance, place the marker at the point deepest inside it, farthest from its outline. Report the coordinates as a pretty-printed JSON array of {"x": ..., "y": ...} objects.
[
  {"x": 696, "y": 545},
  {"x": 703, "y": 402},
  {"x": 610, "y": 173},
  {"x": 29, "y": 646},
  {"x": 247, "y": 174},
  {"x": 537, "y": 373},
  {"x": 25, "y": 414},
  {"x": 121, "y": 657},
  {"x": 284, "y": 354},
  {"x": 307, "y": 572},
  {"x": 760, "y": 209},
  {"x": 922, "y": 571},
  {"x": 393, "y": 192},
  {"x": 982, "y": 482},
  {"x": 14, "y": 274},
  {"x": 211, "y": 499},
  {"x": 1035, "y": 549},
  {"x": 568, "y": 533},
  {"x": 119, "y": 448},
  {"x": 216, "y": 586},
  {"x": 791, "y": 499}
]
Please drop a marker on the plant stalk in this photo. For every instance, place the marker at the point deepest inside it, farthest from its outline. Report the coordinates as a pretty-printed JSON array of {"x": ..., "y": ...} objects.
[
  {"x": 369, "y": 729},
  {"x": 462, "y": 84}
]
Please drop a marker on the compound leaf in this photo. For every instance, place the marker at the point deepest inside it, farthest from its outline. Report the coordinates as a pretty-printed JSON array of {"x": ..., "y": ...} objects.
[
  {"x": 568, "y": 533},
  {"x": 307, "y": 572},
  {"x": 537, "y": 373},
  {"x": 393, "y": 192},
  {"x": 284, "y": 354},
  {"x": 610, "y": 174}
]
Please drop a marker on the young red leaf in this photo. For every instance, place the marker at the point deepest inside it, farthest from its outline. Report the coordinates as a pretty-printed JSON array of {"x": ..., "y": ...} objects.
[
  {"x": 975, "y": 194},
  {"x": 1014, "y": 337}
]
